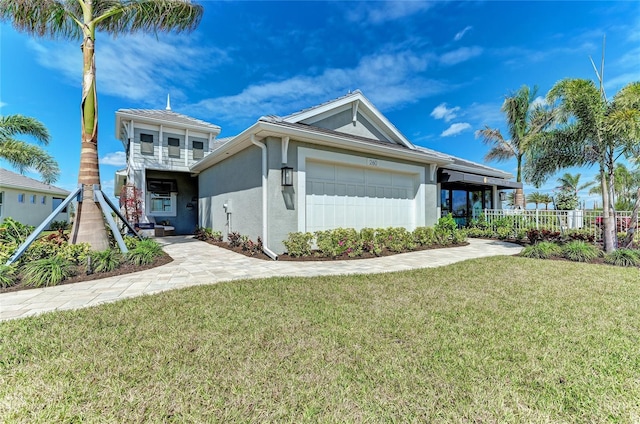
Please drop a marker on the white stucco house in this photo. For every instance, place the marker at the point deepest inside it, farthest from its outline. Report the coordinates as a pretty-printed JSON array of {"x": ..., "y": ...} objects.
[
  {"x": 29, "y": 201},
  {"x": 338, "y": 164}
]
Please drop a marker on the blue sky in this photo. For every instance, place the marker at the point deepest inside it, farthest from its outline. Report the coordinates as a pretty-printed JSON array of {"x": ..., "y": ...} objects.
[{"x": 438, "y": 70}]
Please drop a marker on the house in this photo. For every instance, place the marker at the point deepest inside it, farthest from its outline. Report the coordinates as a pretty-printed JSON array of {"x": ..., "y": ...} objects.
[
  {"x": 338, "y": 164},
  {"x": 29, "y": 201}
]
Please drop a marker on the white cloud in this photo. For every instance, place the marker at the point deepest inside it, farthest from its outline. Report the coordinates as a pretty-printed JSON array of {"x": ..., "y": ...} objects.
[
  {"x": 138, "y": 67},
  {"x": 385, "y": 11},
  {"x": 443, "y": 112},
  {"x": 485, "y": 113},
  {"x": 539, "y": 101},
  {"x": 461, "y": 34},
  {"x": 455, "y": 129},
  {"x": 2, "y": 104},
  {"x": 389, "y": 80},
  {"x": 114, "y": 159},
  {"x": 460, "y": 55}
]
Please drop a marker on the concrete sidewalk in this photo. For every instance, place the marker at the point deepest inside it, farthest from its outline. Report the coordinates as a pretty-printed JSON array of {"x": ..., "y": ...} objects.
[{"x": 196, "y": 263}]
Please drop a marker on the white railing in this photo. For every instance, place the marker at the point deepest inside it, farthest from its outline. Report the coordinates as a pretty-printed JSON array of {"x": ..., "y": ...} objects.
[{"x": 589, "y": 221}]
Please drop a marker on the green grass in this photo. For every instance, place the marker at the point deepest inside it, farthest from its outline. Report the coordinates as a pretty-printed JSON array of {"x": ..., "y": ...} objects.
[{"x": 491, "y": 340}]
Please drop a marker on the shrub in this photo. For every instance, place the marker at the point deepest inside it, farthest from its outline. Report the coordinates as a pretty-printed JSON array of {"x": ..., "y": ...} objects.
[
  {"x": 250, "y": 246},
  {"x": 76, "y": 253},
  {"x": 584, "y": 235},
  {"x": 536, "y": 236},
  {"x": 541, "y": 250},
  {"x": 47, "y": 271},
  {"x": 459, "y": 236},
  {"x": 59, "y": 225},
  {"x": 8, "y": 275},
  {"x": 424, "y": 236},
  {"x": 396, "y": 239},
  {"x": 504, "y": 233},
  {"x": 12, "y": 231},
  {"x": 579, "y": 251},
  {"x": 623, "y": 257},
  {"x": 130, "y": 241},
  {"x": 299, "y": 244},
  {"x": 369, "y": 241},
  {"x": 235, "y": 239},
  {"x": 103, "y": 261},
  {"x": 478, "y": 232},
  {"x": 207, "y": 234},
  {"x": 145, "y": 252},
  {"x": 336, "y": 242}
]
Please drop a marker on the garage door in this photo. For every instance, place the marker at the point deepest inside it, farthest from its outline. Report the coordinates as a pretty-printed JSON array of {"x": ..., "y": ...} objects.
[{"x": 353, "y": 197}]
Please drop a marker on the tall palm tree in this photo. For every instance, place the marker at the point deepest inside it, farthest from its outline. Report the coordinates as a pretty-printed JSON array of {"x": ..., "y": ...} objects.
[
  {"x": 546, "y": 199},
  {"x": 80, "y": 20},
  {"x": 592, "y": 130},
  {"x": 22, "y": 155},
  {"x": 525, "y": 120}
]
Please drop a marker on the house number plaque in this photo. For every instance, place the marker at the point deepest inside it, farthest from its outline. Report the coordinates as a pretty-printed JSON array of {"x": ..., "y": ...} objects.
[{"x": 372, "y": 162}]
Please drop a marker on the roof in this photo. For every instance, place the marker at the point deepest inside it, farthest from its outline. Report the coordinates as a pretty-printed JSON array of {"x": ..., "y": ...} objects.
[
  {"x": 14, "y": 180},
  {"x": 469, "y": 166},
  {"x": 165, "y": 116}
]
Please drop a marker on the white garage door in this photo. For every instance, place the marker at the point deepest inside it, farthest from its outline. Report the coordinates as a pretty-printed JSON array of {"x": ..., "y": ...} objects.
[{"x": 352, "y": 197}]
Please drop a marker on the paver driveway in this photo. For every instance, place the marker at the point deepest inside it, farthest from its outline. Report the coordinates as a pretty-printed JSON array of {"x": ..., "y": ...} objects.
[{"x": 196, "y": 263}]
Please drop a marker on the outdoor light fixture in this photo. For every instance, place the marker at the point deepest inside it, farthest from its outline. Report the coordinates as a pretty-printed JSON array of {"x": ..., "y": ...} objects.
[
  {"x": 287, "y": 176},
  {"x": 503, "y": 196}
]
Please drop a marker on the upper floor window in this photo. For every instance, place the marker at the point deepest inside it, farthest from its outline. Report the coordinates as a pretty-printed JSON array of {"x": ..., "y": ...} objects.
[
  {"x": 146, "y": 144},
  {"x": 33, "y": 199},
  {"x": 1, "y": 199},
  {"x": 21, "y": 198},
  {"x": 174, "y": 147},
  {"x": 43, "y": 200},
  {"x": 198, "y": 149}
]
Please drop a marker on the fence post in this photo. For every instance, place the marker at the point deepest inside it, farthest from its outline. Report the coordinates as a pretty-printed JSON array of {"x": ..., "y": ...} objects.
[{"x": 537, "y": 223}]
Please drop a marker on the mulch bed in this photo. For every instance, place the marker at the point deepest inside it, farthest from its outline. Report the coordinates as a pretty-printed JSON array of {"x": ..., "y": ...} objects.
[
  {"x": 315, "y": 257},
  {"x": 125, "y": 268}
]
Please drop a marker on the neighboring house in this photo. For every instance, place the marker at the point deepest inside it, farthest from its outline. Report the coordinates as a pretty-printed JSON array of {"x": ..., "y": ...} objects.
[
  {"x": 339, "y": 164},
  {"x": 29, "y": 201}
]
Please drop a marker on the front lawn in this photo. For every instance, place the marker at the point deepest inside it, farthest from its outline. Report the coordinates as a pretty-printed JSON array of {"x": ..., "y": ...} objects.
[{"x": 503, "y": 339}]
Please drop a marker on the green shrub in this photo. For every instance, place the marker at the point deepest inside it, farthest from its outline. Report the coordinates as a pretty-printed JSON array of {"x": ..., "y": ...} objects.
[
  {"x": 40, "y": 249},
  {"x": 8, "y": 275},
  {"x": 145, "y": 252},
  {"x": 339, "y": 241},
  {"x": 12, "y": 231},
  {"x": 104, "y": 261},
  {"x": 579, "y": 251},
  {"x": 47, "y": 271},
  {"x": 131, "y": 242},
  {"x": 623, "y": 257},
  {"x": 396, "y": 239},
  {"x": 459, "y": 236},
  {"x": 370, "y": 242},
  {"x": 478, "y": 232},
  {"x": 424, "y": 236},
  {"x": 299, "y": 244},
  {"x": 541, "y": 250},
  {"x": 207, "y": 234},
  {"x": 76, "y": 253},
  {"x": 59, "y": 225},
  {"x": 504, "y": 233}
]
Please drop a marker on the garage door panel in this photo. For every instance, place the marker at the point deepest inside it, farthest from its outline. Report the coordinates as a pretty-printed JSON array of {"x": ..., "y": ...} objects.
[{"x": 352, "y": 197}]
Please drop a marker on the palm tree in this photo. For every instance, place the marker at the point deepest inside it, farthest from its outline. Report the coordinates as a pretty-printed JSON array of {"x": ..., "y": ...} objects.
[
  {"x": 546, "y": 199},
  {"x": 536, "y": 197},
  {"x": 592, "y": 130},
  {"x": 79, "y": 20},
  {"x": 525, "y": 120},
  {"x": 570, "y": 182},
  {"x": 22, "y": 155}
]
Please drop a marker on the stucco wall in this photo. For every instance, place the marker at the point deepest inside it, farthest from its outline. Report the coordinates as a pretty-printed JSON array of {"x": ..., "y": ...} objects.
[
  {"x": 29, "y": 213},
  {"x": 343, "y": 122},
  {"x": 237, "y": 179}
]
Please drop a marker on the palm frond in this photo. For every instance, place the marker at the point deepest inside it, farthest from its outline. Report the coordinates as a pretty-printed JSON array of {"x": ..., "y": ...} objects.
[
  {"x": 24, "y": 156},
  {"x": 45, "y": 18},
  {"x": 12, "y": 125}
]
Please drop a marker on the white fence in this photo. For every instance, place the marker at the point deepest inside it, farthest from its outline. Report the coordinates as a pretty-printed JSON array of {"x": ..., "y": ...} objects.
[{"x": 525, "y": 219}]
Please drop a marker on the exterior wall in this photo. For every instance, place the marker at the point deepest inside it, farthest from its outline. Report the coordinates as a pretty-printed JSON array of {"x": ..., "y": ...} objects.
[
  {"x": 343, "y": 122},
  {"x": 185, "y": 220},
  {"x": 29, "y": 213},
  {"x": 236, "y": 181}
]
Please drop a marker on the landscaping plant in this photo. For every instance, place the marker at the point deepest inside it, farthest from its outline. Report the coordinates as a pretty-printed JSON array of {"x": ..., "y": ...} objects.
[
  {"x": 8, "y": 275},
  {"x": 579, "y": 251},
  {"x": 48, "y": 271},
  {"x": 541, "y": 250},
  {"x": 103, "y": 261},
  {"x": 623, "y": 257},
  {"x": 299, "y": 244},
  {"x": 145, "y": 252}
]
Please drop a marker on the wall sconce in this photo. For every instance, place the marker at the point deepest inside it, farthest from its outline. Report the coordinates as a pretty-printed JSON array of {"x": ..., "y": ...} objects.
[
  {"x": 502, "y": 196},
  {"x": 287, "y": 176}
]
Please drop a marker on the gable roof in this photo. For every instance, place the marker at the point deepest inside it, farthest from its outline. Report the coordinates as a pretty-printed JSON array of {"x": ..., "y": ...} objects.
[
  {"x": 164, "y": 117},
  {"x": 359, "y": 103},
  {"x": 12, "y": 180}
]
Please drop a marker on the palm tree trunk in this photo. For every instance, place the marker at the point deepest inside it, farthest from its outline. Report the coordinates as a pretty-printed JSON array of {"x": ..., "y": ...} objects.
[
  {"x": 607, "y": 219},
  {"x": 89, "y": 226},
  {"x": 519, "y": 198}
]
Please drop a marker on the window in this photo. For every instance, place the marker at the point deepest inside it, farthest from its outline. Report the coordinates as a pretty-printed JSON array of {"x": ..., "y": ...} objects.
[
  {"x": 162, "y": 204},
  {"x": 198, "y": 149},
  {"x": 33, "y": 199},
  {"x": 21, "y": 198},
  {"x": 146, "y": 144},
  {"x": 174, "y": 147},
  {"x": 55, "y": 202},
  {"x": 1, "y": 199},
  {"x": 43, "y": 200}
]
